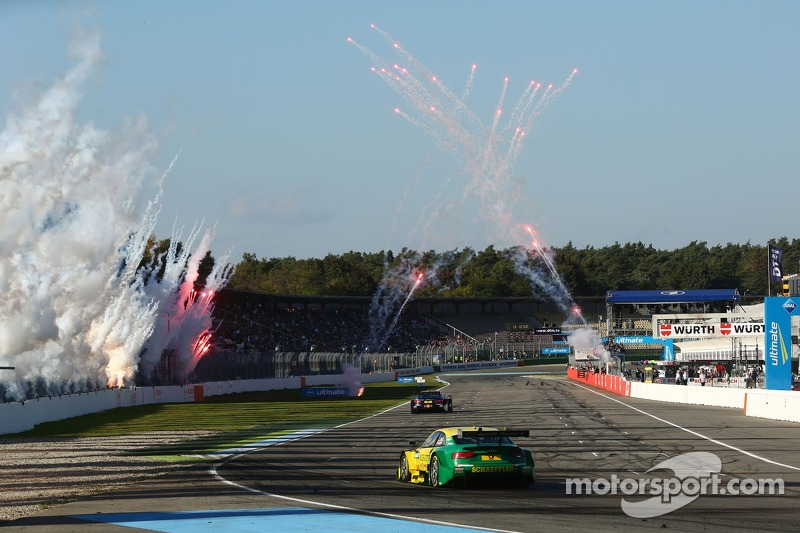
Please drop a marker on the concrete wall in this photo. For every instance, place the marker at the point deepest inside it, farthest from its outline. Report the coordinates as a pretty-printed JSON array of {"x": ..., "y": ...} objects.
[
  {"x": 21, "y": 416},
  {"x": 714, "y": 396},
  {"x": 775, "y": 405}
]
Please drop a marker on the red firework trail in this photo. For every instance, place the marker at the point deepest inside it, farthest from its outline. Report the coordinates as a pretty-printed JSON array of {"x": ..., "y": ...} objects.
[{"x": 400, "y": 312}]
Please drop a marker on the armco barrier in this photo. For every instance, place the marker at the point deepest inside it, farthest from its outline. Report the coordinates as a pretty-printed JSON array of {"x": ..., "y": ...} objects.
[{"x": 615, "y": 384}]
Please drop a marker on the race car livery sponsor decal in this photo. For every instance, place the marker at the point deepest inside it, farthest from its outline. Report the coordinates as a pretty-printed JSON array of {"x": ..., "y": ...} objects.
[{"x": 492, "y": 469}]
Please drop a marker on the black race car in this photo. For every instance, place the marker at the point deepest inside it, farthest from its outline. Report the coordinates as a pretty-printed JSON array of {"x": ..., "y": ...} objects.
[{"x": 431, "y": 400}]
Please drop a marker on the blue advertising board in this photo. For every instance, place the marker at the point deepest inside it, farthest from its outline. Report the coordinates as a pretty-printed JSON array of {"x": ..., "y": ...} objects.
[
  {"x": 638, "y": 340},
  {"x": 405, "y": 380},
  {"x": 669, "y": 344},
  {"x": 669, "y": 350},
  {"x": 325, "y": 392},
  {"x": 556, "y": 350},
  {"x": 778, "y": 313}
]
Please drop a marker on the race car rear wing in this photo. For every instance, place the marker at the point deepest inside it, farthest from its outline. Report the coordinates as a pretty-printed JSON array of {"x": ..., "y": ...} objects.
[{"x": 505, "y": 432}]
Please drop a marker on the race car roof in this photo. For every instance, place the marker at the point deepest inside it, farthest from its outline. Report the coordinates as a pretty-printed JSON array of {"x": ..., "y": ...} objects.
[{"x": 475, "y": 431}]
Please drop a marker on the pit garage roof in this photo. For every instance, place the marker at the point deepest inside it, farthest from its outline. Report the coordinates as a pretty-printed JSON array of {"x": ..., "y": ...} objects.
[{"x": 671, "y": 297}]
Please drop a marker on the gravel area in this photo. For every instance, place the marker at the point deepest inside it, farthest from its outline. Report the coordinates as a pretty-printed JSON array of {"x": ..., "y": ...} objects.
[{"x": 39, "y": 473}]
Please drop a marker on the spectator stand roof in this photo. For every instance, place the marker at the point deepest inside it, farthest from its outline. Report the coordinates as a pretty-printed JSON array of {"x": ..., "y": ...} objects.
[{"x": 672, "y": 297}]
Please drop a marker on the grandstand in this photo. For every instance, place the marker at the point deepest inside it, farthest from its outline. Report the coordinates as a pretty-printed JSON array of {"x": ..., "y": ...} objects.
[
  {"x": 249, "y": 325},
  {"x": 441, "y": 329},
  {"x": 257, "y": 334}
]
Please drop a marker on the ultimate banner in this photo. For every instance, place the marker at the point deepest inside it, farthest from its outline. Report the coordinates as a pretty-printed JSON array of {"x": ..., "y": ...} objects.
[{"x": 778, "y": 312}]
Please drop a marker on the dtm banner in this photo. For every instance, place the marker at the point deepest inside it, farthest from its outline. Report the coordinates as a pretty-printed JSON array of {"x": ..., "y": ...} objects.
[
  {"x": 775, "y": 263},
  {"x": 778, "y": 312}
]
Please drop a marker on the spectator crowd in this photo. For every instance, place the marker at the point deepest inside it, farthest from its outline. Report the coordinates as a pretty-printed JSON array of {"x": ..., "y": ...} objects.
[{"x": 247, "y": 327}]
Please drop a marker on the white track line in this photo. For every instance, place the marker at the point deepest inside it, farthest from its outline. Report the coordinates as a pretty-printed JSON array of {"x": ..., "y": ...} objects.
[
  {"x": 215, "y": 474},
  {"x": 696, "y": 434}
]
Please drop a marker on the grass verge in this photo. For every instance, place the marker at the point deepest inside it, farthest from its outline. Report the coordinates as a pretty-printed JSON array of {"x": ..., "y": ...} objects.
[{"x": 235, "y": 419}]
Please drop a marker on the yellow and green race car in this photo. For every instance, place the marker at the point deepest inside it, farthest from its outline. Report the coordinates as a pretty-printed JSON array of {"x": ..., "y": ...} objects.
[{"x": 457, "y": 455}]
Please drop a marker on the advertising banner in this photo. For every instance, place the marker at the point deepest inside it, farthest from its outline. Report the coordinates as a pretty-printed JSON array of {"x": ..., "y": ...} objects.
[
  {"x": 479, "y": 365},
  {"x": 319, "y": 392},
  {"x": 669, "y": 350},
  {"x": 548, "y": 331},
  {"x": 778, "y": 312},
  {"x": 559, "y": 350},
  {"x": 775, "y": 263},
  {"x": 718, "y": 329},
  {"x": 637, "y": 340}
]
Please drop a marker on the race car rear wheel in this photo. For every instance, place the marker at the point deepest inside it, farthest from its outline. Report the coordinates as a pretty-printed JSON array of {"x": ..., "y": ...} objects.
[
  {"x": 402, "y": 471},
  {"x": 524, "y": 482},
  {"x": 433, "y": 472}
]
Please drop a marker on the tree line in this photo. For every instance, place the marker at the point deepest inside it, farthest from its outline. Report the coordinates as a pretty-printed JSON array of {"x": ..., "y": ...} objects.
[{"x": 585, "y": 271}]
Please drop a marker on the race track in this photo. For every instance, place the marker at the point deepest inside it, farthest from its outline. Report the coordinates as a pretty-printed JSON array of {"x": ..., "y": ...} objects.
[{"x": 320, "y": 480}]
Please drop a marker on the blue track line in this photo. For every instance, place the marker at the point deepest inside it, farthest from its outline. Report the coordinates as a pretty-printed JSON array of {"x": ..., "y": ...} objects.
[{"x": 289, "y": 519}]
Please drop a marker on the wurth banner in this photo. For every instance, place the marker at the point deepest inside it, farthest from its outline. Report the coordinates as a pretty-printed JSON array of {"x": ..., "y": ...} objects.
[
  {"x": 775, "y": 263},
  {"x": 778, "y": 314},
  {"x": 708, "y": 329}
]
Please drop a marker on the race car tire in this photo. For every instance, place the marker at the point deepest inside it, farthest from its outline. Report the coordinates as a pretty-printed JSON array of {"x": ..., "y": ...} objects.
[
  {"x": 433, "y": 472},
  {"x": 402, "y": 471},
  {"x": 524, "y": 482},
  {"x": 414, "y": 411}
]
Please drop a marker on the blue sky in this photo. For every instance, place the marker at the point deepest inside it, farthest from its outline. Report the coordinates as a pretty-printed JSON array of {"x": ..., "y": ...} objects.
[{"x": 681, "y": 125}]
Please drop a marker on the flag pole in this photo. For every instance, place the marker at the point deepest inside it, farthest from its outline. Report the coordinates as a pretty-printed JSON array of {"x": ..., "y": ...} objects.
[{"x": 769, "y": 273}]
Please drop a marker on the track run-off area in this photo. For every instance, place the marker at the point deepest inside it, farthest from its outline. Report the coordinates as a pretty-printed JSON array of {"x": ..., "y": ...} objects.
[{"x": 343, "y": 479}]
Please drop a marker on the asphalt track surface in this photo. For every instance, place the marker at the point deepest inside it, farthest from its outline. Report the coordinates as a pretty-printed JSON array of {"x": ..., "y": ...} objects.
[{"x": 576, "y": 432}]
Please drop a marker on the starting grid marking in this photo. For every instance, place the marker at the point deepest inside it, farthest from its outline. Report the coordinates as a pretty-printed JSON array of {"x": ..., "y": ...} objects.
[
  {"x": 272, "y": 519},
  {"x": 272, "y": 441}
]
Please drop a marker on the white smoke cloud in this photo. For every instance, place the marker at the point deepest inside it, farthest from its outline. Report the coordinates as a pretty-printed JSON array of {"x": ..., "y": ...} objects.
[
  {"x": 587, "y": 341},
  {"x": 74, "y": 223}
]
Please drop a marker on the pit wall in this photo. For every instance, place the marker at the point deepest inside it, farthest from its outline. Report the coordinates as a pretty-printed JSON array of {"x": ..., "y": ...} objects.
[
  {"x": 17, "y": 417},
  {"x": 775, "y": 405}
]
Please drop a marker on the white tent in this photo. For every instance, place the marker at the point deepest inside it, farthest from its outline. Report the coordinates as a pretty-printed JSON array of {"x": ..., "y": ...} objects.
[{"x": 720, "y": 349}]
